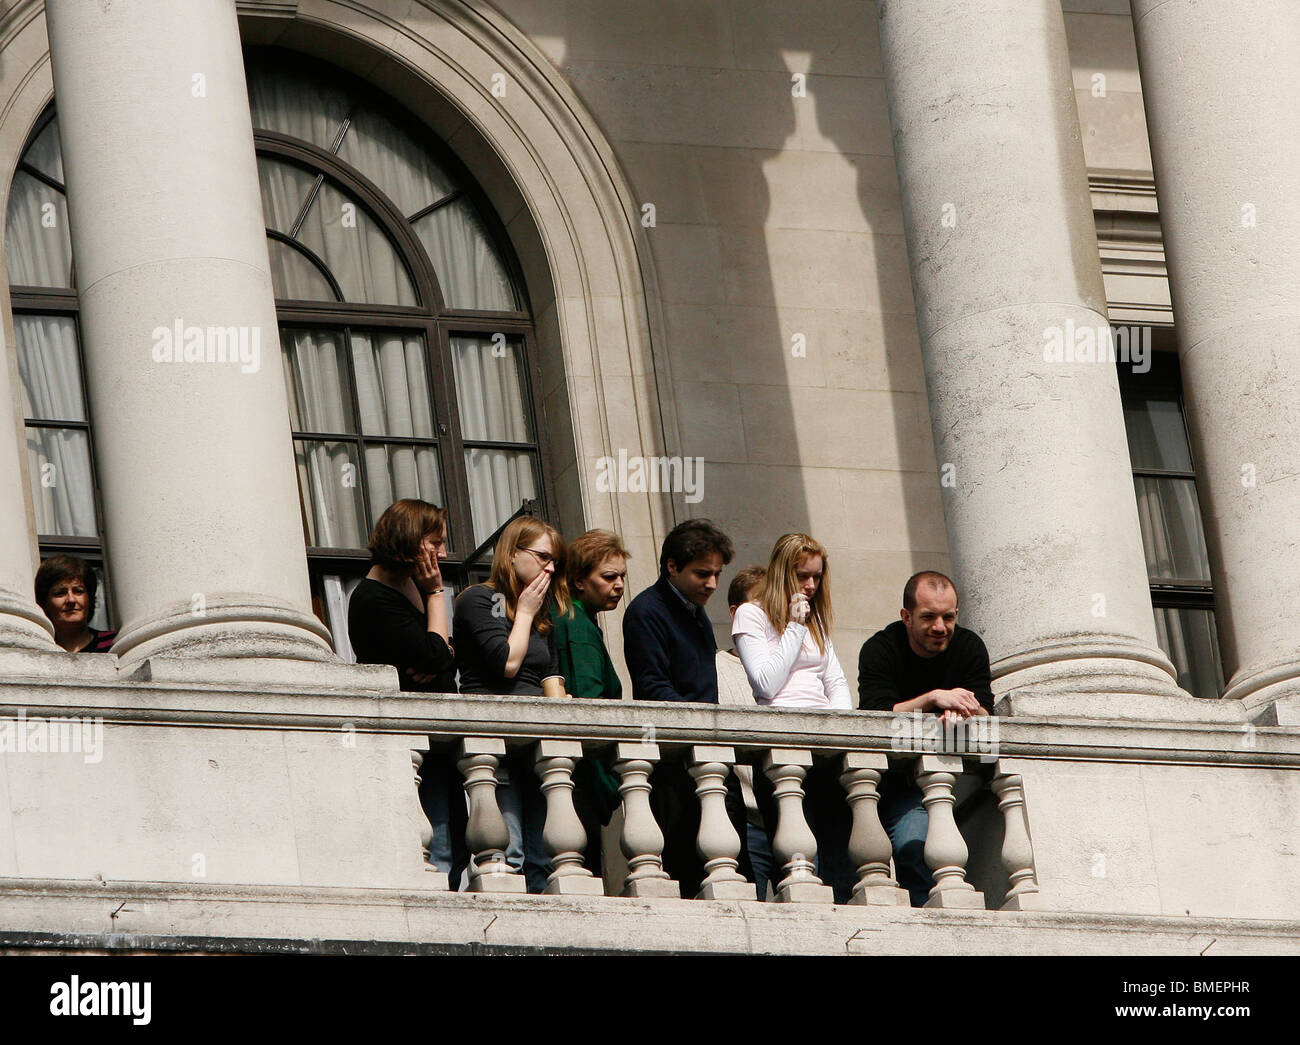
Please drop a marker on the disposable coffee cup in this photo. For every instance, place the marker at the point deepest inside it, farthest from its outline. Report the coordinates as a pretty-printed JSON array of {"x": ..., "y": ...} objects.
[{"x": 553, "y": 686}]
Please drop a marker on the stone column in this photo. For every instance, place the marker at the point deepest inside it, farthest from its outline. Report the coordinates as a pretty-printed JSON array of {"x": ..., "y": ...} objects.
[
  {"x": 203, "y": 528},
  {"x": 1219, "y": 82},
  {"x": 23, "y": 625},
  {"x": 1038, "y": 491}
]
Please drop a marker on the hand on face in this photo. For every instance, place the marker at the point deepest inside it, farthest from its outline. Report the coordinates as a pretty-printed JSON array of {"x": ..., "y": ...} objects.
[
  {"x": 799, "y": 608},
  {"x": 428, "y": 568},
  {"x": 533, "y": 597}
]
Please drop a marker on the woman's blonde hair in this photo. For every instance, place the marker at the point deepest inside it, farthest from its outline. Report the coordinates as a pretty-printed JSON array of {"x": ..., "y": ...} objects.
[
  {"x": 517, "y": 536},
  {"x": 779, "y": 587}
]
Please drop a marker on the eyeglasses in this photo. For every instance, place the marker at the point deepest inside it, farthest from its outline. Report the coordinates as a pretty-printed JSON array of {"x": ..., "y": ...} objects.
[{"x": 543, "y": 557}]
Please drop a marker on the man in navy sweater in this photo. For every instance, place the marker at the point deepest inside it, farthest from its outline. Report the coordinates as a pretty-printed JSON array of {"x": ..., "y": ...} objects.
[{"x": 670, "y": 649}]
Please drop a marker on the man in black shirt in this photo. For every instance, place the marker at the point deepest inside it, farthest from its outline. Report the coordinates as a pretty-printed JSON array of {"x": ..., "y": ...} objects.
[{"x": 923, "y": 662}]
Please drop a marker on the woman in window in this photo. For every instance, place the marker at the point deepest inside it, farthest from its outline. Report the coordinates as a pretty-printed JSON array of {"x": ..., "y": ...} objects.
[
  {"x": 398, "y": 616},
  {"x": 505, "y": 643},
  {"x": 65, "y": 589},
  {"x": 597, "y": 577},
  {"x": 783, "y": 638}
]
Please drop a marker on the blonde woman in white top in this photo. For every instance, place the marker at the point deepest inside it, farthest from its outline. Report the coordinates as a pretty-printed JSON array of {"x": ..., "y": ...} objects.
[
  {"x": 784, "y": 642},
  {"x": 783, "y": 637}
]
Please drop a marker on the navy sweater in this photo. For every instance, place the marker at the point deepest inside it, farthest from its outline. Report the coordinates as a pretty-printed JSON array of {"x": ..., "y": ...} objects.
[{"x": 669, "y": 647}]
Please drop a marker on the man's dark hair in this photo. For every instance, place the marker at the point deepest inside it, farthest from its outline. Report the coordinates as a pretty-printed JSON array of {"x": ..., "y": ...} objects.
[
  {"x": 690, "y": 540},
  {"x": 743, "y": 583},
  {"x": 59, "y": 568},
  {"x": 934, "y": 577}
]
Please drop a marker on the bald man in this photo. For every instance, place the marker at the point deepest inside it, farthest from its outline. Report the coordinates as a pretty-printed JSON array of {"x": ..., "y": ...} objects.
[{"x": 923, "y": 662}]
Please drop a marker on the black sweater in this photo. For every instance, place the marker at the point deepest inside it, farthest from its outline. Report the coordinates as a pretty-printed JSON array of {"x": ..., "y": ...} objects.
[
  {"x": 481, "y": 631},
  {"x": 889, "y": 672},
  {"x": 384, "y": 627},
  {"x": 669, "y": 647}
]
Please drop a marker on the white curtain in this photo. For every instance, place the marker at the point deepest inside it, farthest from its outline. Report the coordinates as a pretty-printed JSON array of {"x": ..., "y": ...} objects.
[
  {"x": 490, "y": 390},
  {"x": 393, "y": 160},
  {"x": 329, "y": 482},
  {"x": 470, "y": 273},
  {"x": 58, "y": 460},
  {"x": 38, "y": 249},
  {"x": 393, "y": 395},
  {"x": 282, "y": 100}
]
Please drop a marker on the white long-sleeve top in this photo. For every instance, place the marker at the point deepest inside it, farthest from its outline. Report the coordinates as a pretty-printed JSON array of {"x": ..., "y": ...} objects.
[{"x": 787, "y": 669}]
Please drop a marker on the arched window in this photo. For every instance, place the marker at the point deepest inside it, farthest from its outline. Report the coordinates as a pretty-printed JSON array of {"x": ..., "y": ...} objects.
[
  {"x": 407, "y": 343},
  {"x": 405, "y": 334},
  {"x": 42, "y": 278}
]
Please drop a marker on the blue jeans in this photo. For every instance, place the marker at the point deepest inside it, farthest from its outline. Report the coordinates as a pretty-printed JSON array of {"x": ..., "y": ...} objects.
[
  {"x": 903, "y": 815},
  {"x": 442, "y": 797},
  {"x": 523, "y": 806}
]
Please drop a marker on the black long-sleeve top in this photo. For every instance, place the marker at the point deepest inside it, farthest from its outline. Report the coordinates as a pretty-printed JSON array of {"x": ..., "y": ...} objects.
[
  {"x": 384, "y": 627},
  {"x": 482, "y": 635},
  {"x": 889, "y": 672},
  {"x": 670, "y": 648}
]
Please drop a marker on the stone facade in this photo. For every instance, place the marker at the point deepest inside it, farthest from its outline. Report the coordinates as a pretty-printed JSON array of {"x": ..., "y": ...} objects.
[{"x": 813, "y": 242}]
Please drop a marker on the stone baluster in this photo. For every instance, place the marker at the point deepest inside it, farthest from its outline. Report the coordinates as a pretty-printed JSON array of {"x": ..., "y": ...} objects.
[
  {"x": 564, "y": 836},
  {"x": 1017, "y": 850},
  {"x": 642, "y": 841},
  {"x": 945, "y": 849},
  {"x": 869, "y": 845},
  {"x": 486, "y": 833},
  {"x": 718, "y": 842},
  {"x": 426, "y": 830},
  {"x": 793, "y": 843}
]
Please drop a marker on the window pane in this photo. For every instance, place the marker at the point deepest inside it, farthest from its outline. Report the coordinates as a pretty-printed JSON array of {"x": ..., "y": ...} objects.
[
  {"x": 294, "y": 277},
  {"x": 36, "y": 235},
  {"x": 394, "y": 472},
  {"x": 1156, "y": 435},
  {"x": 1172, "y": 538},
  {"x": 498, "y": 481},
  {"x": 329, "y": 597},
  {"x": 1189, "y": 639},
  {"x": 316, "y": 378},
  {"x": 469, "y": 271},
  {"x": 284, "y": 192},
  {"x": 45, "y": 153},
  {"x": 49, "y": 367},
  {"x": 357, "y": 251},
  {"x": 491, "y": 389},
  {"x": 392, "y": 384},
  {"x": 63, "y": 492},
  {"x": 394, "y": 161},
  {"x": 330, "y": 491},
  {"x": 293, "y": 104}
]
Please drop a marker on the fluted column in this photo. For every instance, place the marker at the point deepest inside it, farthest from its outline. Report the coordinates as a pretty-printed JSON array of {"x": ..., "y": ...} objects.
[
  {"x": 945, "y": 849},
  {"x": 641, "y": 840},
  {"x": 1220, "y": 83},
  {"x": 564, "y": 837},
  {"x": 793, "y": 844},
  {"x": 486, "y": 833},
  {"x": 718, "y": 844},
  {"x": 1038, "y": 492},
  {"x": 202, "y": 521},
  {"x": 869, "y": 845}
]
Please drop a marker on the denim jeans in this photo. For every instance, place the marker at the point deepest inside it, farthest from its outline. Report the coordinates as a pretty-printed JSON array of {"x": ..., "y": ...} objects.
[
  {"x": 442, "y": 797},
  {"x": 523, "y": 806},
  {"x": 761, "y": 859},
  {"x": 903, "y": 815}
]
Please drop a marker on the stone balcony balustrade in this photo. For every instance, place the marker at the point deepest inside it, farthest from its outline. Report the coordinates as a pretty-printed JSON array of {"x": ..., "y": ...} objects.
[{"x": 264, "y": 810}]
